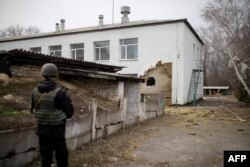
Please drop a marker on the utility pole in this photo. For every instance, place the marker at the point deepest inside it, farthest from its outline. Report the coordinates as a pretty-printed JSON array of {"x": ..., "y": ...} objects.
[{"x": 113, "y": 12}]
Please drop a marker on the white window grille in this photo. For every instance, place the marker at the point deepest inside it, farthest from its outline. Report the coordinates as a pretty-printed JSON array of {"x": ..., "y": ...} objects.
[
  {"x": 55, "y": 50},
  {"x": 129, "y": 49},
  {"x": 102, "y": 50},
  {"x": 36, "y": 49},
  {"x": 77, "y": 51}
]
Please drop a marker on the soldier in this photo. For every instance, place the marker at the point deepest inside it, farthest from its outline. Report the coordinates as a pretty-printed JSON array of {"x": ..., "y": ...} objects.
[{"x": 51, "y": 107}]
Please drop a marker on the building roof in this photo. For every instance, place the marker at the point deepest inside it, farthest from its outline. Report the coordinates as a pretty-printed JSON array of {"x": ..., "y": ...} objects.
[
  {"x": 28, "y": 57},
  {"x": 66, "y": 66},
  {"x": 103, "y": 28}
]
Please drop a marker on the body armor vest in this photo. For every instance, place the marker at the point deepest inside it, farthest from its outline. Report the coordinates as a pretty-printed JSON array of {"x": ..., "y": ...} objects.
[{"x": 45, "y": 110}]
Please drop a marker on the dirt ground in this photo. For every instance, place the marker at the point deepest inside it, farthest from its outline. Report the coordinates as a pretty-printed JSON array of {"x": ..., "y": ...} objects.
[{"x": 183, "y": 137}]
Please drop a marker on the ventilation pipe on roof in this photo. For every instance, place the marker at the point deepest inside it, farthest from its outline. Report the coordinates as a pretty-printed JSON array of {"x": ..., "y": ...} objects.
[
  {"x": 101, "y": 20},
  {"x": 57, "y": 27},
  {"x": 125, "y": 10},
  {"x": 62, "y": 24}
]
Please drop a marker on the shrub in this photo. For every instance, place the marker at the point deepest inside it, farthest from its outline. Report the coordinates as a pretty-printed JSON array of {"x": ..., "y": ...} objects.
[{"x": 241, "y": 95}]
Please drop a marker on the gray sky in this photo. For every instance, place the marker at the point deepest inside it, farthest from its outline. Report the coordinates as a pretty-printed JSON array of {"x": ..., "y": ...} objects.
[{"x": 81, "y": 13}]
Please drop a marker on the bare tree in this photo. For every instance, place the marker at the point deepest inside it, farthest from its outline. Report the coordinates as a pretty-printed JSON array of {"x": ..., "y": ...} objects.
[
  {"x": 18, "y": 30},
  {"x": 228, "y": 39},
  {"x": 32, "y": 30}
]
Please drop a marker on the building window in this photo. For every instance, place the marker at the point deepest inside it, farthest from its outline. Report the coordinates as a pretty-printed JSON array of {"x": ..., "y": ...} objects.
[
  {"x": 77, "y": 51},
  {"x": 36, "y": 49},
  {"x": 129, "y": 48},
  {"x": 55, "y": 50},
  {"x": 102, "y": 50}
]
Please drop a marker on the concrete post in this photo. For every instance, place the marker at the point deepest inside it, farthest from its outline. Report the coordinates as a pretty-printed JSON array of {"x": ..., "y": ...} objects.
[
  {"x": 93, "y": 108},
  {"x": 124, "y": 110},
  {"x": 160, "y": 105},
  {"x": 121, "y": 89}
]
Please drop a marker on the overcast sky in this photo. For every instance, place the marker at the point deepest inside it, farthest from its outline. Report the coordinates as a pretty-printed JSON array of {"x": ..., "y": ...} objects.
[{"x": 81, "y": 13}]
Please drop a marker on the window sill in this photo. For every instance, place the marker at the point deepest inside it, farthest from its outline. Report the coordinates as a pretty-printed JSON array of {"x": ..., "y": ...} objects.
[
  {"x": 128, "y": 60},
  {"x": 102, "y": 60}
]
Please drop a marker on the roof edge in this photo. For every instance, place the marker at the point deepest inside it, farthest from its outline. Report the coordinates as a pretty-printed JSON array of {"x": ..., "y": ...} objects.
[
  {"x": 193, "y": 31},
  {"x": 108, "y": 27}
]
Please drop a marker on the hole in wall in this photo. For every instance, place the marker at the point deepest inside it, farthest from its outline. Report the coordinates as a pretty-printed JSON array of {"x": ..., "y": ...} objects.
[{"x": 150, "y": 81}]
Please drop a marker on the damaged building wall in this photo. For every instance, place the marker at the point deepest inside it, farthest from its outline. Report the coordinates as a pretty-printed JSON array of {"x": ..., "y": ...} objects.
[{"x": 158, "y": 80}]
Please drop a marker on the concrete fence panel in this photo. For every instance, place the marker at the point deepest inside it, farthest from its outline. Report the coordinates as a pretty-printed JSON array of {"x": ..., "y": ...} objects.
[
  {"x": 17, "y": 141},
  {"x": 78, "y": 131},
  {"x": 18, "y": 147}
]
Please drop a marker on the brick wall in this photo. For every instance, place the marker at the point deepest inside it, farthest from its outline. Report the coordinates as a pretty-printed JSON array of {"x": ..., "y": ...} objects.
[
  {"x": 104, "y": 88},
  {"x": 132, "y": 93},
  {"x": 26, "y": 71}
]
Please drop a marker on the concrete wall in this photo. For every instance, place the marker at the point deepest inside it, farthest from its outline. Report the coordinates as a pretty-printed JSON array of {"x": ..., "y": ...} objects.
[
  {"x": 154, "y": 105},
  {"x": 17, "y": 147},
  {"x": 165, "y": 42},
  {"x": 78, "y": 131}
]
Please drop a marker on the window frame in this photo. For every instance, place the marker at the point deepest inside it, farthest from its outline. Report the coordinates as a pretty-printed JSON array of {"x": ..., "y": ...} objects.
[
  {"x": 126, "y": 49},
  {"x": 75, "y": 50},
  {"x": 99, "y": 51},
  {"x": 36, "y": 48},
  {"x": 54, "y": 51}
]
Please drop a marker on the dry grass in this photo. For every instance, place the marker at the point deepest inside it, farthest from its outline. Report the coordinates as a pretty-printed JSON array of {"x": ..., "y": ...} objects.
[
  {"x": 15, "y": 99},
  {"x": 105, "y": 152}
]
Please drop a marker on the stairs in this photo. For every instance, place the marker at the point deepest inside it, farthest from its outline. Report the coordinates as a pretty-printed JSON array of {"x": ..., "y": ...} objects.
[{"x": 194, "y": 86}]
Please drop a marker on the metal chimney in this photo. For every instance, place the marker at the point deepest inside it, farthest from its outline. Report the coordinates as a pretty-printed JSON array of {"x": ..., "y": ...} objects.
[
  {"x": 62, "y": 24},
  {"x": 101, "y": 20},
  {"x": 57, "y": 27},
  {"x": 125, "y": 10}
]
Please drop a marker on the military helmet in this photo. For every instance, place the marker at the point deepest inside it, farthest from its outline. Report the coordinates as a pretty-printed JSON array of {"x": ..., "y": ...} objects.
[{"x": 49, "y": 69}]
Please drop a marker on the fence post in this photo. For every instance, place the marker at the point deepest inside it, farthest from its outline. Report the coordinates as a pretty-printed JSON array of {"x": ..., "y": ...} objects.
[
  {"x": 124, "y": 109},
  {"x": 160, "y": 105},
  {"x": 93, "y": 108}
]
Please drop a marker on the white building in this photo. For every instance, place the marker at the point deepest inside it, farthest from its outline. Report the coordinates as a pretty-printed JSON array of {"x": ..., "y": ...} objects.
[{"x": 137, "y": 45}]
